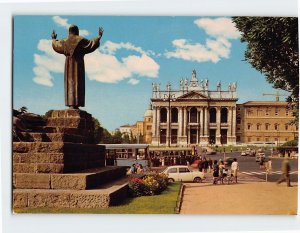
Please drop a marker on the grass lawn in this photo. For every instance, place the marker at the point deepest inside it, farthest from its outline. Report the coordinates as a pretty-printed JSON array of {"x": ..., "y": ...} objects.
[{"x": 164, "y": 203}]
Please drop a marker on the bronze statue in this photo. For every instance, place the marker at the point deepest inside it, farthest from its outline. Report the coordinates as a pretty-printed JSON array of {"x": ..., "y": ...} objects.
[{"x": 74, "y": 47}]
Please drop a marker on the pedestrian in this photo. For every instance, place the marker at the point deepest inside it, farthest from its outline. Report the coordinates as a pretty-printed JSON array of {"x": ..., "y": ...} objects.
[
  {"x": 200, "y": 165},
  {"x": 285, "y": 169},
  {"x": 261, "y": 162},
  {"x": 140, "y": 169},
  {"x": 210, "y": 165},
  {"x": 221, "y": 170},
  {"x": 215, "y": 172},
  {"x": 234, "y": 169},
  {"x": 205, "y": 165}
]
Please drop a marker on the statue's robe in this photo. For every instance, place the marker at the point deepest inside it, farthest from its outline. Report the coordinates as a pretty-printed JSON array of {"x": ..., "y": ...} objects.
[{"x": 74, "y": 48}]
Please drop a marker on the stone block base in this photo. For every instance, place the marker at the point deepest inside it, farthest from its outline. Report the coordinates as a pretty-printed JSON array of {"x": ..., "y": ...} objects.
[
  {"x": 88, "y": 179},
  {"x": 96, "y": 198}
]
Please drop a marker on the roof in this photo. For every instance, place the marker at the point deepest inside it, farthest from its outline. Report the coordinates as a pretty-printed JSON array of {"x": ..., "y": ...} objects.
[
  {"x": 125, "y": 146},
  {"x": 267, "y": 103},
  {"x": 123, "y": 126},
  {"x": 148, "y": 113}
]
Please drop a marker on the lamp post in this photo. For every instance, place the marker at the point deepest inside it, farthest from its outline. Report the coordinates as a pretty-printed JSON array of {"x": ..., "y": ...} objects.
[{"x": 169, "y": 97}]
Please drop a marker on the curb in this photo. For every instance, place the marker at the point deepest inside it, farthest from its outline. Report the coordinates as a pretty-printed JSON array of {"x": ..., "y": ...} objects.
[{"x": 179, "y": 199}]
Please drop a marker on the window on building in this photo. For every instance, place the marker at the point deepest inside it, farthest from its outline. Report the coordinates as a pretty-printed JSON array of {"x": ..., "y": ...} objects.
[
  {"x": 224, "y": 115},
  {"x": 212, "y": 115},
  {"x": 287, "y": 111},
  {"x": 267, "y": 111},
  {"x": 257, "y": 139},
  {"x": 238, "y": 108},
  {"x": 238, "y": 138},
  {"x": 267, "y": 126},
  {"x": 193, "y": 115},
  {"x": 149, "y": 127},
  {"x": 174, "y": 136},
  {"x": 266, "y": 139},
  {"x": 249, "y": 139},
  {"x": 276, "y": 111},
  {"x": 163, "y": 136},
  {"x": 174, "y": 115},
  {"x": 286, "y": 139},
  {"x": 249, "y": 112},
  {"x": 286, "y": 126},
  {"x": 249, "y": 126},
  {"x": 238, "y": 120},
  {"x": 238, "y": 128},
  {"x": 258, "y": 126},
  {"x": 163, "y": 115},
  {"x": 276, "y": 127}
]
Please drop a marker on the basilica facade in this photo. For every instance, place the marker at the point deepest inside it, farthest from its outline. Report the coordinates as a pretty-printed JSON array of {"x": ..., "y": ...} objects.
[{"x": 193, "y": 114}]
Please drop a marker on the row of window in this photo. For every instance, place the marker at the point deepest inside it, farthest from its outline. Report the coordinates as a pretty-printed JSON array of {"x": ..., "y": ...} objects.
[
  {"x": 266, "y": 112},
  {"x": 258, "y": 139},
  {"x": 267, "y": 126},
  {"x": 193, "y": 115}
]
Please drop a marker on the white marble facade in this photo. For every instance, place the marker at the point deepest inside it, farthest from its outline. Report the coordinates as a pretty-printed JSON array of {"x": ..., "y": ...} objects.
[{"x": 194, "y": 115}]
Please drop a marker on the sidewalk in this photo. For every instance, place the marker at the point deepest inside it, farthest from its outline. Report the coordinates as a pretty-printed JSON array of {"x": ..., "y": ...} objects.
[{"x": 242, "y": 198}]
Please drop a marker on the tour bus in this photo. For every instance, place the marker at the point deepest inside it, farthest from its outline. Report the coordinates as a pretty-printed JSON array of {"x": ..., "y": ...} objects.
[{"x": 127, "y": 154}]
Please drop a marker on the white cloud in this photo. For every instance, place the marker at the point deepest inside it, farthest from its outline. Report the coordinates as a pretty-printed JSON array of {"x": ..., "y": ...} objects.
[
  {"x": 111, "y": 48},
  {"x": 219, "y": 27},
  {"x": 212, "y": 51},
  {"x": 99, "y": 66},
  {"x": 64, "y": 23},
  {"x": 218, "y": 46},
  {"x": 133, "y": 81}
]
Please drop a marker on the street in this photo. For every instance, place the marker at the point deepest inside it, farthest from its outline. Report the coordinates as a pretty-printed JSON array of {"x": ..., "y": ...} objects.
[{"x": 249, "y": 167}]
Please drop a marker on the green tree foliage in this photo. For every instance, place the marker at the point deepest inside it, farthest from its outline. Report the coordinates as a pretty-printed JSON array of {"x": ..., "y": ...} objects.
[
  {"x": 272, "y": 49},
  {"x": 98, "y": 131}
]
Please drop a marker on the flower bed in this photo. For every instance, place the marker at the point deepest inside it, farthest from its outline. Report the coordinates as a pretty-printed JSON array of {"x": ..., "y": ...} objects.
[{"x": 148, "y": 185}]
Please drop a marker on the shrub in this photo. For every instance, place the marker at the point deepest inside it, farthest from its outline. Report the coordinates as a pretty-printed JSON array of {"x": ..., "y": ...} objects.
[{"x": 151, "y": 184}]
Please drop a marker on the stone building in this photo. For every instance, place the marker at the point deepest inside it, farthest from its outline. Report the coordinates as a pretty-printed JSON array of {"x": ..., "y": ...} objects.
[
  {"x": 142, "y": 130},
  {"x": 194, "y": 115},
  {"x": 265, "y": 122}
]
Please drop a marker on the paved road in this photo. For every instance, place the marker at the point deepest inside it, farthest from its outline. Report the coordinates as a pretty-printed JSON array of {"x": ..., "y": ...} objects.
[{"x": 249, "y": 167}]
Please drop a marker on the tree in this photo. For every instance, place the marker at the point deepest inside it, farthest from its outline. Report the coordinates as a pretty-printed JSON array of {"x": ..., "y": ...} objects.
[
  {"x": 98, "y": 131},
  {"x": 272, "y": 49}
]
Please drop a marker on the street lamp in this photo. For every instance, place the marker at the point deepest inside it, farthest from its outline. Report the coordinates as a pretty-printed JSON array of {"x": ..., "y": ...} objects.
[{"x": 169, "y": 97}]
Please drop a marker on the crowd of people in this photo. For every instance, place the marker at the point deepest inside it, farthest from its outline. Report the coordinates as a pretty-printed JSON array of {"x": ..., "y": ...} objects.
[{"x": 136, "y": 169}]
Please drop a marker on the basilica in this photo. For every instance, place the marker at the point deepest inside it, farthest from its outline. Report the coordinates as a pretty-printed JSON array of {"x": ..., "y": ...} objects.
[{"x": 194, "y": 114}]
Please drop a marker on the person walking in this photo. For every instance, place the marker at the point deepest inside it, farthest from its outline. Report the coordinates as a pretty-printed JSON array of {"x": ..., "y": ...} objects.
[
  {"x": 215, "y": 172},
  {"x": 285, "y": 169},
  {"x": 234, "y": 169}
]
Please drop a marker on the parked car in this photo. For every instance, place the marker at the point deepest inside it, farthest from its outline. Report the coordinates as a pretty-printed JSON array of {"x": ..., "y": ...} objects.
[
  {"x": 183, "y": 173},
  {"x": 250, "y": 152},
  {"x": 243, "y": 153}
]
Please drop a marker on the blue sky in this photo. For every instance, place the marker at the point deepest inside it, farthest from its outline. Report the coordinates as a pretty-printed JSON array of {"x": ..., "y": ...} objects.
[{"x": 134, "y": 52}]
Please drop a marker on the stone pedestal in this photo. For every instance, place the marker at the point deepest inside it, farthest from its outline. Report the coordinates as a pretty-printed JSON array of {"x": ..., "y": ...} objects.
[{"x": 60, "y": 155}]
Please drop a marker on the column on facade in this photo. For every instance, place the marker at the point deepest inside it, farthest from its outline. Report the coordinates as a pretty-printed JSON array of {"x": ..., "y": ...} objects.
[
  {"x": 206, "y": 121},
  {"x": 184, "y": 121},
  {"x": 218, "y": 120},
  {"x": 229, "y": 122},
  {"x": 158, "y": 123},
  {"x": 168, "y": 125},
  {"x": 154, "y": 128},
  {"x": 180, "y": 122},
  {"x": 233, "y": 133},
  {"x": 201, "y": 122}
]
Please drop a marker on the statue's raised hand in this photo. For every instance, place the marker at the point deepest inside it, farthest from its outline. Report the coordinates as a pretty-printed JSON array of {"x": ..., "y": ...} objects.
[
  {"x": 101, "y": 30},
  {"x": 53, "y": 35}
]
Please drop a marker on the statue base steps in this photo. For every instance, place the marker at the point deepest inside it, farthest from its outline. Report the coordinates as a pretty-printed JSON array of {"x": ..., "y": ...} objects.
[{"x": 107, "y": 195}]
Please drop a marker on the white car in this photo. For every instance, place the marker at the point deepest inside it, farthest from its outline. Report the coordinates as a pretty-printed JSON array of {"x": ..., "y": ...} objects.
[{"x": 184, "y": 174}]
